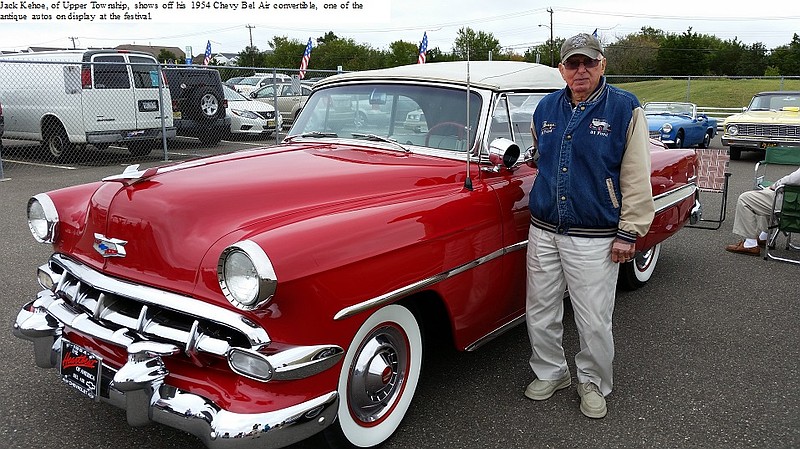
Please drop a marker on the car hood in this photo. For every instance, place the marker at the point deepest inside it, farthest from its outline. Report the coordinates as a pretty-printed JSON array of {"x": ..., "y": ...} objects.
[
  {"x": 255, "y": 106},
  {"x": 177, "y": 220},
  {"x": 782, "y": 117},
  {"x": 655, "y": 122}
]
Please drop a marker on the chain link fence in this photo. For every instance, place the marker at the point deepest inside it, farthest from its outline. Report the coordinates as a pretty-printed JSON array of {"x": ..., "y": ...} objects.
[
  {"x": 95, "y": 107},
  {"x": 98, "y": 107}
]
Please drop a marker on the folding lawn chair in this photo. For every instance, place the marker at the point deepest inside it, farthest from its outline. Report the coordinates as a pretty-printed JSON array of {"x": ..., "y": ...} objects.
[
  {"x": 778, "y": 161},
  {"x": 785, "y": 220},
  {"x": 713, "y": 177}
]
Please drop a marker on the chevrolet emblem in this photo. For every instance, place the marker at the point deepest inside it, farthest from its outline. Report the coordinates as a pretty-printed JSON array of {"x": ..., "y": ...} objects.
[{"x": 109, "y": 247}]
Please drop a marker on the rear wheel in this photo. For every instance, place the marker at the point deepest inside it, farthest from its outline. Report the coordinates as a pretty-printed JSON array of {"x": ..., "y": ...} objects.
[
  {"x": 636, "y": 273},
  {"x": 57, "y": 144},
  {"x": 378, "y": 379}
]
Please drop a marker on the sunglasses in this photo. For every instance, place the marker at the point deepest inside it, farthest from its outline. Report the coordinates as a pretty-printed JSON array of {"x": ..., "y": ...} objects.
[{"x": 574, "y": 64}]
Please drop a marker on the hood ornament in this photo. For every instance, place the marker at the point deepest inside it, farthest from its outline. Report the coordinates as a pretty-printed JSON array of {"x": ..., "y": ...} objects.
[{"x": 109, "y": 247}]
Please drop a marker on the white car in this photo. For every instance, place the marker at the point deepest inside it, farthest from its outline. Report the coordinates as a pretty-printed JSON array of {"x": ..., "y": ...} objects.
[
  {"x": 257, "y": 81},
  {"x": 250, "y": 117}
]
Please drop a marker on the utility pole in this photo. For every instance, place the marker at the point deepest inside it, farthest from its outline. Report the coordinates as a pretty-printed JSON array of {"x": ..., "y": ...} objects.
[
  {"x": 552, "y": 61},
  {"x": 250, "y": 28}
]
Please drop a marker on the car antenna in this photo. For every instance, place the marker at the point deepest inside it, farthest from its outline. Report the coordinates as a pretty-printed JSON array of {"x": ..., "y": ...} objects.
[{"x": 468, "y": 180}]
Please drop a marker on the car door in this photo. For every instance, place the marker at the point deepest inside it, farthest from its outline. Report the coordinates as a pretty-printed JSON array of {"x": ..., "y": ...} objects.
[
  {"x": 146, "y": 96},
  {"x": 109, "y": 105}
]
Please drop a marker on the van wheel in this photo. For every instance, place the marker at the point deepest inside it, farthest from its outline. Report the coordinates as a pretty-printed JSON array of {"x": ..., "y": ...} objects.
[
  {"x": 206, "y": 103},
  {"x": 58, "y": 145},
  {"x": 140, "y": 148},
  {"x": 378, "y": 379}
]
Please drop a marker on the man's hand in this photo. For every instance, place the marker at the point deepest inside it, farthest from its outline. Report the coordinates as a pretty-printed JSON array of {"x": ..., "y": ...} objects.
[{"x": 622, "y": 251}]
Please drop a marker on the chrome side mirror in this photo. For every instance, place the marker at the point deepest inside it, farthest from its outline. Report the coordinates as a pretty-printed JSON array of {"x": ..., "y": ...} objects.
[{"x": 503, "y": 153}]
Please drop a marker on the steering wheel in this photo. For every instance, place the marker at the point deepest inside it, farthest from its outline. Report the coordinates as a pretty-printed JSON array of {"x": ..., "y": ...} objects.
[{"x": 459, "y": 126}]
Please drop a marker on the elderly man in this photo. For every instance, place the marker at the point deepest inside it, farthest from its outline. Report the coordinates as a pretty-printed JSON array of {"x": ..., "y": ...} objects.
[
  {"x": 753, "y": 209},
  {"x": 589, "y": 203}
]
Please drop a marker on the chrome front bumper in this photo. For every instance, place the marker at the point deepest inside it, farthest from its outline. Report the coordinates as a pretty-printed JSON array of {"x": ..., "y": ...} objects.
[{"x": 139, "y": 388}]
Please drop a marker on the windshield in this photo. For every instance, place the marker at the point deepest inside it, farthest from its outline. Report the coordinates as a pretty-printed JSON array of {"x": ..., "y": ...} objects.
[
  {"x": 232, "y": 95},
  {"x": 669, "y": 108},
  {"x": 774, "y": 102},
  {"x": 429, "y": 116}
]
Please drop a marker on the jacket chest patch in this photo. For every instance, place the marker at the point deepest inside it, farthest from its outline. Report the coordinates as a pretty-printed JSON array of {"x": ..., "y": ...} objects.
[{"x": 599, "y": 127}]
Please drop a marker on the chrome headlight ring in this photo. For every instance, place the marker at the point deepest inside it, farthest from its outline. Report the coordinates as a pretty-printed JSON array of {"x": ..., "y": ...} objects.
[
  {"x": 42, "y": 218},
  {"x": 246, "y": 275},
  {"x": 733, "y": 130},
  {"x": 666, "y": 128}
]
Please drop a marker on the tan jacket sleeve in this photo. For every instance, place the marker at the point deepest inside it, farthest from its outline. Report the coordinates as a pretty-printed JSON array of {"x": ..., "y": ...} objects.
[{"x": 638, "y": 208}]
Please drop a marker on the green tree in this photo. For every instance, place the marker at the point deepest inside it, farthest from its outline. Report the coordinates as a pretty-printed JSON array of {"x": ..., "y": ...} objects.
[
  {"x": 685, "y": 54},
  {"x": 402, "y": 53},
  {"x": 165, "y": 56},
  {"x": 479, "y": 44},
  {"x": 634, "y": 54},
  {"x": 786, "y": 58}
]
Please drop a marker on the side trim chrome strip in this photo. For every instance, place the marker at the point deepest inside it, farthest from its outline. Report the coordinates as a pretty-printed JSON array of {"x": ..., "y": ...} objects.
[
  {"x": 662, "y": 202},
  {"x": 496, "y": 333},
  {"x": 419, "y": 285},
  {"x": 668, "y": 199}
]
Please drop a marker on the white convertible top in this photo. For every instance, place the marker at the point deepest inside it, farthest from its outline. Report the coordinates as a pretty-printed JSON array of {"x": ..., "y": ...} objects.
[{"x": 494, "y": 75}]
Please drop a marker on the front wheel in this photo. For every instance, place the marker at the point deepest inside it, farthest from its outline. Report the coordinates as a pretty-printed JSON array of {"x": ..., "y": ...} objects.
[
  {"x": 378, "y": 379},
  {"x": 679, "y": 140},
  {"x": 636, "y": 273},
  {"x": 736, "y": 153}
]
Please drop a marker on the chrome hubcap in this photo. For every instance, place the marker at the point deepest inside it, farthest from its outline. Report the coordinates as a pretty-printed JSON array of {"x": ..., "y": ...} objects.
[{"x": 378, "y": 374}]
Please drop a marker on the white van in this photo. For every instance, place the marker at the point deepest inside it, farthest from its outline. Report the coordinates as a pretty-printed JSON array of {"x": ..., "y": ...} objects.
[{"x": 67, "y": 99}]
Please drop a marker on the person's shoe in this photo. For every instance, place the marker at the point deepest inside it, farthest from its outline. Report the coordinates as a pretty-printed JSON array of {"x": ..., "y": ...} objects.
[
  {"x": 593, "y": 404},
  {"x": 539, "y": 390},
  {"x": 740, "y": 249}
]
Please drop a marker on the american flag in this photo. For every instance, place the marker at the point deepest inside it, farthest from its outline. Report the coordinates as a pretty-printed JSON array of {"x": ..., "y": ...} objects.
[
  {"x": 306, "y": 57},
  {"x": 207, "y": 58},
  {"x": 423, "y": 48}
]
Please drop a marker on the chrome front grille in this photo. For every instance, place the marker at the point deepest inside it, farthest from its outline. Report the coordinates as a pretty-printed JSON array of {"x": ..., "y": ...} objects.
[
  {"x": 768, "y": 130},
  {"x": 117, "y": 307}
]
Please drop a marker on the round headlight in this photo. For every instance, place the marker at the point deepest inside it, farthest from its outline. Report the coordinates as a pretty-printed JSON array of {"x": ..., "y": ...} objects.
[
  {"x": 733, "y": 130},
  {"x": 246, "y": 275},
  {"x": 666, "y": 127},
  {"x": 42, "y": 218}
]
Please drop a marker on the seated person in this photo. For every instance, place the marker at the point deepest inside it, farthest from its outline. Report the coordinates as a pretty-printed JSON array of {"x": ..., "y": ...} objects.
[{"x": 753, "y": 209}]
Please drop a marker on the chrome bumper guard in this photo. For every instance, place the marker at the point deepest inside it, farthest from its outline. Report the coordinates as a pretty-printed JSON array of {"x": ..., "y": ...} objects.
[{"x": 139, "y": 387}]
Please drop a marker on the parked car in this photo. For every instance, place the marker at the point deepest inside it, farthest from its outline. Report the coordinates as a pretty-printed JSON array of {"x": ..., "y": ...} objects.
[
  {"x": 771, "y": 119},
  {"x": 290, "y": 98},
  {"x": 198, "y": 103},
  {"x": 679, "y": 125},
  {"x": 251, "y": 83},
  {"x": 231, "y": 82},
  {"x": 303, "y": 303},
  {"x": 70, "y": 98},
  {"x": 250, "y": 117}
]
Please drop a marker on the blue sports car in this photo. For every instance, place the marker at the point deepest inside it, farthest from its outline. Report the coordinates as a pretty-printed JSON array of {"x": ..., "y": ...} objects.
[{"x": 679, "y": 125}]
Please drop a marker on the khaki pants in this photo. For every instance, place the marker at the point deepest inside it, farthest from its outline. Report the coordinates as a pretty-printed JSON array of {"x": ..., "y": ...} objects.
[
  {"x": 753, "y": 209},
  {"x": 583, "y": 265}
]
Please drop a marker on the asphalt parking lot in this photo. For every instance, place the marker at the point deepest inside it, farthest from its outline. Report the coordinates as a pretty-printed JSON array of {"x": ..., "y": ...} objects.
[{"x": 707, "y": 355}]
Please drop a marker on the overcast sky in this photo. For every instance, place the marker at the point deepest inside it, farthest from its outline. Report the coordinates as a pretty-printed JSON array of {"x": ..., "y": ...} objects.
[{"x": 516, "y": 24}]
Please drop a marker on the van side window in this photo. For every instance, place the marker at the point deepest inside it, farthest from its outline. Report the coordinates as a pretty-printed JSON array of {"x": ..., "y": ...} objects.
[
  {"x": 145, "y": 72},
  {"x": 111, "y": 73}
]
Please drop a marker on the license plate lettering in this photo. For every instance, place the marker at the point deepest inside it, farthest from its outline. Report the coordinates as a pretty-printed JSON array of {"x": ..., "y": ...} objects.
[{"x": 80, "y": 369}]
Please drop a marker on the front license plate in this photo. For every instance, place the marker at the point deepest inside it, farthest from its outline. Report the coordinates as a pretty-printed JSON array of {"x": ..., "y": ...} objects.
[
  {"x": 80, "y": 369},
  {"x": 270, "y": 123}
]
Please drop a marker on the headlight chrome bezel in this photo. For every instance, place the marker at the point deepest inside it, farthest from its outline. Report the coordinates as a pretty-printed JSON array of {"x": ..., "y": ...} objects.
[
  {"x": 666, "y": 128},
  {"x": 44, "y": 226},
  {"x": 265, "y": 277}
]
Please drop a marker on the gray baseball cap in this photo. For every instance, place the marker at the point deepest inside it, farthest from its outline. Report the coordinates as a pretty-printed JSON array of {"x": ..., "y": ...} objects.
[{"x": 581, "y": 44}]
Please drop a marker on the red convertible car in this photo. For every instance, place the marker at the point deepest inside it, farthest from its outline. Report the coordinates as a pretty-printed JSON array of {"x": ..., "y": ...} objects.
[{"x": 257, "y": 298}]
